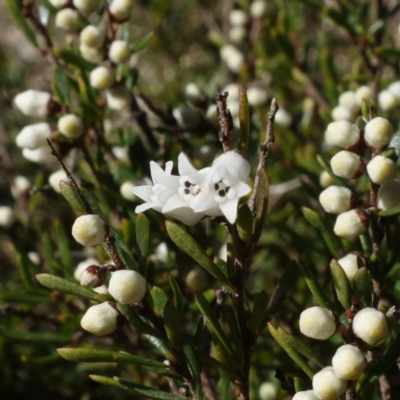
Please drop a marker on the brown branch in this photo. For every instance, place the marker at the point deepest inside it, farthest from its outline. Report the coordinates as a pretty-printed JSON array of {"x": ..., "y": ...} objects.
[{"x": 225, "y": 121}]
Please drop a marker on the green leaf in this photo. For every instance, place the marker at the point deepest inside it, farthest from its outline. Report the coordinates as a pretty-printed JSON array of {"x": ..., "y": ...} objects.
[
  {"x": 63, "y": 247},
  {"x": 258, "y": 313},
  {"x": 160, "y": 299},
  {"x": 186, "y": 242},
  {"x": 65, "y": 286},
  {"x": 15, "y": 9},
  {"x": 326, "y": 166},
  {"x": 362, "y": 286},
  {"x": 244, "y": 223},
  {"x": 74, "y": 59},
  {"x": 61, "y": 86},
  {"x": 178, "y": 300},
  {"x": 281, "y": 339},
  {"x": 261, "y": 203},
  {"x": 231, "y": 318},
  {"x": 299, "y": 385},
  {"x": 244, "y": 118},
  {"x": 73, "y": 199},
  {"x": 172, "y": 323},
  {"x": 143, "y": 42},
  {"x": 23, "y": 264},
  {"x": 341, "y": 284},
  {"x": 142, "y": 234},
  {"x": 34, "y": 337},
  {"x": 386, "y": 51},
  {"x": 392, "y": 212},
  {"x": 195, "y": 369},
  {"x": 161, "y": 347}
]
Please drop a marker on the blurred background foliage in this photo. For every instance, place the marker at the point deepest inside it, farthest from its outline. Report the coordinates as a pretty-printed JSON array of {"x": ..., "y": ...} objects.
[{"x": 303, "y": 53}]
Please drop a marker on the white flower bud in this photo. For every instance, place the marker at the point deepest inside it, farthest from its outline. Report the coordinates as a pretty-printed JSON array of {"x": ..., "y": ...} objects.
[
  {"x": 351, "y": 224},
  {"x": 211, "y": 114},
  {"x": 343, "y": 134},
  {"x": 197, "y": 280},
  {"x": 387, "y": 100},
  {"x": 349, "y": 100},
  {"x": 349, "y": 264},
  {"x": 20, "y": 187},
  {"x": 237, "y": 34},
  {"x": 161, "y": 252},
  {"x": 93, "y": 276},
  {"x": 325, "y": 180},
  {"x": 126, "y": 191},
  {"x": 389, "y": 195},
  {"x": 118, "y": 97},
  {"x": 186, "y": 117},
  {"x": 348, "y": 362},
  {"x": 381, "y": 169},
  {"x": 347, "y": 164},
  {"x": 363, "y": 92},
  {"x": 58, "y": 3},
  {"x": 7, "y": 216},
  {"x": 317, "y": 323},
  {"x": 127, "y": 286},
  {"x": 101, "y": 78},
  {"x": 41, "y": 155},
  {"x": 370, "y": 326},
  {"x": 341, "y": 113},
  {"x": 100, "y": 319},
  {"x": 233, "y": 58},
  {"x": 327, "y": 385},
  {"x": 91, "y": 54},
  {"x": 101, "y": 289},
  {"x": 336, "y": 199},
  {"x": 82, "y": 267},
  {"x": 70, "y": 125},
  {"x": 238, "y": 18},
  {"x": 119, "y": 52},
  {"x": 121, "y": 153},
  {"x": 283, "y": 117},
  {"x": 93, "y": 36},
  {"x": 306, "y": 395},
  {"x": 89, "y": 230},
  {"x": 55, "y": 178},
  {"x": 33, "y": 103},
  {"x": 258, "y": 8},
  {"x": 85, "y": 6},
  {"x": 33, "y": 136},
  {"x": 394, "y": 88},
  {"x": 257, "y": 96},
  {"x": 193, "y": 93},
  {"x": 68, "y": 20},
  {"x": 268, "y": 391},
  {"x": 121, "y": 9},
  {"x": 378, "y": 132},
  {"x": 34, "y": 257}
]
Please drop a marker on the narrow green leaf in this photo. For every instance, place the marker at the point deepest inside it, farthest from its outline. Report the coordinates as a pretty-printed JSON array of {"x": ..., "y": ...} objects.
[
  {"x": 74, "y": 59},
  {"x": 258, "y": 313},
  {"x": 161, "y": 347},
  {"x": 70, "y": 195},
  {"x": 186, "y": 242},
  {"x": 142, "y": 43},
  {"x": 65, "y": 286},
  {"x": 299, "y": 385},
  {"x": 172, "y": 323},
  {"x": 235, "y": 332},
  {"x": 244, "y": 118},
  {"x": 34, "y": 336},
  {"x": 23, "y": 263},
  {"x": 61, "y": 86},
  {"x": 290, "y": 351},
  {"x": 194, "y": 369},
  {"x": 313, "y": 285},
  {"x": 178, "y": 300},
  {"x": 244, "y": 223},
  {"x": 48, "y": 252},
  {"x": 261, "y": 203},
  {"x": 63, "y": 247},
  {"x": 160, "y": 299},
  {"x": 392, "y": 212},
  {"x": 326, "y": 166},
  {"x": 142, "y": 234},
  {"x": 362, "y": 286},
  {"x": 341, "y": 284},
  {"x": 386, "y": 51}
]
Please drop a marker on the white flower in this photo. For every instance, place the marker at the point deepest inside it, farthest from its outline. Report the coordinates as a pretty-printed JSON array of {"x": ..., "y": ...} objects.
[
  {"x": 348, "y": 362},
  {"x": 119, "y": 52},
  {"x": 93, "y": 36},
  {"x": 370, "y": 326},
  {"x": 68, "y": 20},
  {"x": 317, "y": 323},
  {"x": 33, "y": 136},
  {"x": 7, "y": 216},
  {"x": 222, "y": 186},
  {"x": 327, "y": 385},
  {"x": 127, "y": 286},
  {"x": 33, "y": 103},
  {"x": 89, "y": 230},
  {"x": 121, "y": 9},
  {"x": 101, "y": 319},
  {"x": 101, "y": 78}
]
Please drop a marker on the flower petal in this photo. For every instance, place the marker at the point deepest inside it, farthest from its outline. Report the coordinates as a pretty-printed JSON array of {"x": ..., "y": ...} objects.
[
  {"x": 173, "y": 203},
  {"x": 156, "y": 171},
  {"x": 177, "y": 208},
  {"x": 170, "y": 181},
  {"x": 229, "y": 208},
  {"x": 143, "y": 207},
  {"x": 205, "y": 200},
  {"x": 242, "y": 189},
  {"x": 168, "y": 167},
  {"x": 201, "y": 177},
  {"x": 143, "y": 192},
  {"x": 185, "y": 167}
]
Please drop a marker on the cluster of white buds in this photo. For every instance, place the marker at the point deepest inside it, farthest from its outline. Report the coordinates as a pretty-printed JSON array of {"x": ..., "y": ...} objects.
[
  {"x": 238, "y": 20},
  {"x": 92, "y": 39}
]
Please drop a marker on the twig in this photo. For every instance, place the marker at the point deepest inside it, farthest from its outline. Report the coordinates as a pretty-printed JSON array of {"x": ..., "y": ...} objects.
[{"x": 225, "y": 121}]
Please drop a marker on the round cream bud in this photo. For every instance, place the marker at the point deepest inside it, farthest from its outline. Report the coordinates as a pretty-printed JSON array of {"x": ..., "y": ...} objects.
[
  {"x": 193, "y": 93},
  {"x": 197, "y": 280},
  {"x": 306, "y": 395},
  {"x": 389, "y": 195},
  {"x": 127, "y": 286},
  {"x": 336, "y": 199},
  {"x": 119, "y": 52},
  {"x": 118, "y": 97},
  {"x": 268, "y": 391},
  {"x": 34, "y": 257},
  {"x": 83, "y": 265},
  {"x": 58, "y": 3},
  {"x": 85, "y": 6},
  {"x": 100, "y": 319},
  {"x": 258, "y": 8},
  {"x": 348, "y": 100},
  {"x": 91, "y": 54},
  {"x": 347, "y": 164},
  {"x": 283, "y": 118},
  {"x": 351, "y": 224},
  {"x": 93, "y": 276},
  {"x": 211, "y": 114},
  {"x": 327, "y": 385},
  {"x": 55, "y": 178},
  {"x": 33, "y": 103},
  {"x": 126, "y": 191},
  {"x": 378, "y": 132},
  {"x": 233, "y": 58},
  {"x": 7, "y": 216},
  {"x": 101, "y": 78},
  {"x": 89, "y": 230},
  {"x": 70, "y": 125},
  {"x": 237, "y": 34},
  {"x": 381, "y": 169},
  {"x": 101, "y": 289},
  {"x": 33, "y": 136},
  {"x": 343, "y": 134},
  {"x": 325, "y": 180},
  {"x": 341, "y": 113},
  {"x": 370, "y": 326},
  {"x": 317, "y": 323},
  {"x": 120, "y": 153},
  {"x": 238, "y": 18},
  {"x": 41, "y": 155},
  {"x": 348, "y": 362},
  {"x": 68, "y": 20},
  {"x": 387, "y": 101},
  {"x": 394, "y": 88},
  {"x": 257, "y": 96},
  {"x": 186, "y": 117},
  {"x": 121, "y": 9},
  {"x": 20, "y": 186},
  {"x": 93, "y": 36},
  {"x": 349, "y": 265},
  {"x": 363, "y": 93}
]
